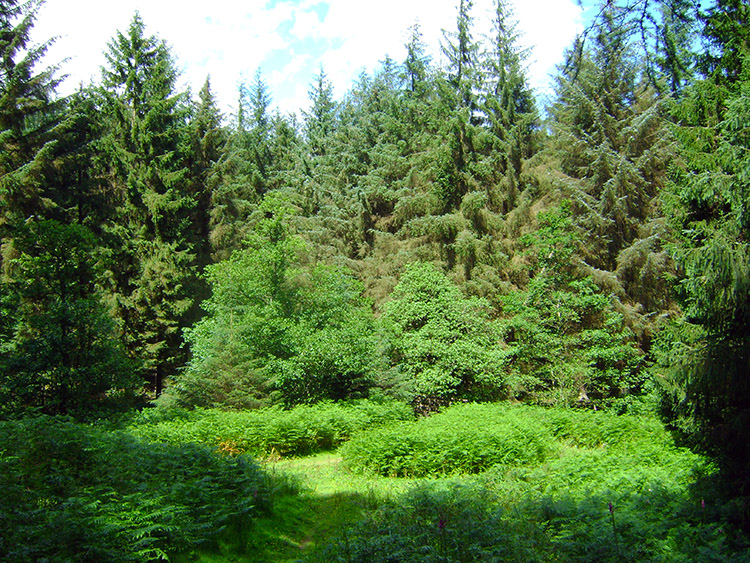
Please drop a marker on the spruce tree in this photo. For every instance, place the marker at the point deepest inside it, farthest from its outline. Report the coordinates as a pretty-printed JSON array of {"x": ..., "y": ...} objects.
[
  {"x": 64, "y": 356},
  {"x": 609, "y": 129},
  {"x": 152, "y": 261},
  {"x": 261, "y": 154},
  {"x": 508, "y": 105},
  {"x": 207, "y": 142},
  {"x": 29, "y": 111},
  {"x": 461, "y": 51},
  {"x": 709, "y": 357}
]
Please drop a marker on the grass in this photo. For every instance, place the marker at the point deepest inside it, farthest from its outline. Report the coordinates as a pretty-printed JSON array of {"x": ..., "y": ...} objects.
[{"x": 331, "y": 499}]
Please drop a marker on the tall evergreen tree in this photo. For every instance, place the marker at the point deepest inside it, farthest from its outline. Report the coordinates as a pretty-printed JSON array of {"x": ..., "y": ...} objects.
[
  {"x": 207, "y": 142},
  {"x": 711, "y": 196},
  {"x": 29, "y": 111},
  {"x": 461, "y": 52},
  {"x": 261, "y": 154},
  {"x": 508, "y": 103},
  {"x": 416, "y": 63},
  {"x": 610, "y": 132},
  {"x": 152, "y": 259},
  {"x": 320, "y": 120}
]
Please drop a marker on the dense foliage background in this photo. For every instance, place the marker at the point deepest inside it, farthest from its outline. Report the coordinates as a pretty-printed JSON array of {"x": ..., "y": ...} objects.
[{"x": 433, "y": 237}]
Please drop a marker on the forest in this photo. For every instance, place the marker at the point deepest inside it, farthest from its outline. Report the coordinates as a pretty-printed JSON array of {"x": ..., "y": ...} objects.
[{"x": 430, "y": 321}]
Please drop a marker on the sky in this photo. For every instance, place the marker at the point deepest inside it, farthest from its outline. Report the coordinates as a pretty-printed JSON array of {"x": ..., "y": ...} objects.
[{"x": 289, "y": 41}]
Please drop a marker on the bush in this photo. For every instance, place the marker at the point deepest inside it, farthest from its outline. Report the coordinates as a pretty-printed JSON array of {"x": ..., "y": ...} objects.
[
  {"x": 302, "y": 430},
  {"x": 444, "y": 343},
  {"x": 471, "y": 438},
  {"x": 77, "y": 493},
  {"x": 466, "y": 438}
]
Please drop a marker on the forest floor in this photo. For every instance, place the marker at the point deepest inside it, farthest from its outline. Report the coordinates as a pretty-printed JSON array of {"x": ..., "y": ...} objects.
[{"x": 331, "y": 498}]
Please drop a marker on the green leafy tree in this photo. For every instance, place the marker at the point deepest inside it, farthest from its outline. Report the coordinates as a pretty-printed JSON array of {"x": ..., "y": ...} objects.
[
  {"x": 444, "y": 346},
  {"x": 566, "y": 343},
  {"x": 276, "y": 329}
]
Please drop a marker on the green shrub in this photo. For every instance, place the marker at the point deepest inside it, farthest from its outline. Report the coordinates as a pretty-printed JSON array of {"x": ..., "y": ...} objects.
[
  {"x": 77, "y": 493},
  {"x": 466, "y": 438},
  {"x": 471, "y": 438},
  {"x": 444, "y": 343},
  {"x": 302, "y": 430}
]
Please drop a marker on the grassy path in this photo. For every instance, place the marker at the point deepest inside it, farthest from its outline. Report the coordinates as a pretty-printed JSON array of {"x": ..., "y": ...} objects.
[{"x": 331, "y": 499}]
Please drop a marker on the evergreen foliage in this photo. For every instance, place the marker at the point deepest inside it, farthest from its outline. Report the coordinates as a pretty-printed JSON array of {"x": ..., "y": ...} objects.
[
  {"x": 152, "y": 257},
  {"x": 611, "y": 134},
  {"x": 63, "y": 355},
  {"x": 444, "y": 345},
  {"x": 567, "y": 344},
  {"x": 29, "y": 114},
  {"x": 708, "y": 374}
]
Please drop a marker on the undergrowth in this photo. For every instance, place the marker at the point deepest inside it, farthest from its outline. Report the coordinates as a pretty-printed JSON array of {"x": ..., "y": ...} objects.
[
  {"x": 72, "y": 492},
  {"x": 471, "y": 438},
  {"x": 269, "y": 432},
  {"x": 596, "y": 487}
]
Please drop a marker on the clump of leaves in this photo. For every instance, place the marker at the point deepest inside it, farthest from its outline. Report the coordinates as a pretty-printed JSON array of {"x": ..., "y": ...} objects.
[{"x": 276, "y": 329}]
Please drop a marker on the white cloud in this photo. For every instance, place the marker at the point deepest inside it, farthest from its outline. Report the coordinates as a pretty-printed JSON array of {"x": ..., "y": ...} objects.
[{"x": 230, "y": 39}]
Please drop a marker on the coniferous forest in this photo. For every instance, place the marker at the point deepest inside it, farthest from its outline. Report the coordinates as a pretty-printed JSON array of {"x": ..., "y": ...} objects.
[{"x": 432, "y": 320}]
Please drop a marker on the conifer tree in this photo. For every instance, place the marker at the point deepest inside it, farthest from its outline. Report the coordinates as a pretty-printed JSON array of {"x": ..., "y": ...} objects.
[
  {"x": 29, "y": 111},
  {"x": 709, "y": 356},
  {"x": 462, "y": 52},
  {"x": 320, "y": 120},
  {"x": 610, "y": 132},
  {"x": 208, "y": 139},
  {"x": 260, "y": 155},
  {"x": 152, "y": 260},
  {"x": 416, "y": 63},
  {"x": 508, "y": 104},
  {"x": 64, "y": 356}
]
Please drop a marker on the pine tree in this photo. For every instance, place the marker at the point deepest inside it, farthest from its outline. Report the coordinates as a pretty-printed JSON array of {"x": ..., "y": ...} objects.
[
  {"x": 152, "y": 260},
  {"x": 29, "y": 111},
  {"x": 461, "y": 51},
  {"x": 508, "y": 104},
  {"x": 416, "y": 63},
  {"x": 261, "y": 154},
  {"x": 711, "y": 206},
  {"x": 207, "y": 139},
  {"x": 610, "y": 132},
  {"x": 320, "y": 120}
]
